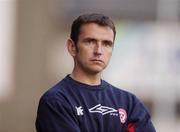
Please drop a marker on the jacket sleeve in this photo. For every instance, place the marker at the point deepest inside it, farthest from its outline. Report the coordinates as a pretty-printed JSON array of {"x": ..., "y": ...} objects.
[
  {"x": 139, "y": 119},
  {"x": 55, "y": 116}
]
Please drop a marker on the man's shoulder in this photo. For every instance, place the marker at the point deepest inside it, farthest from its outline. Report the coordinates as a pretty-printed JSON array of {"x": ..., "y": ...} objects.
[
  {"x": 55, "y": 92},
  {"x": 119, "y": 91}
]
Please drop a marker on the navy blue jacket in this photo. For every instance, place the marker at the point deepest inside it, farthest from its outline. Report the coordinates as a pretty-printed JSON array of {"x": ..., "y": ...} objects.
[{"x": 71, "y": 106}]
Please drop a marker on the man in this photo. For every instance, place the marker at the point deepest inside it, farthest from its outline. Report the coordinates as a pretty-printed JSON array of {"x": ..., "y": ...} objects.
[{"x": 82, "y": 101}]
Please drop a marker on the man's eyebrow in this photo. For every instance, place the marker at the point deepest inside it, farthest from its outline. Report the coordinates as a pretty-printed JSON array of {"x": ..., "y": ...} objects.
[
  {"x": 108, "y": 41},
  {"x": 95, "y": 39},
  {"x": 90, "y": 38}
]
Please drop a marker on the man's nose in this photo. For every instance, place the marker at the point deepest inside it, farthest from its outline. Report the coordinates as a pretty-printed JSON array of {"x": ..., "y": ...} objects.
[{"x": 98, "y": 50}]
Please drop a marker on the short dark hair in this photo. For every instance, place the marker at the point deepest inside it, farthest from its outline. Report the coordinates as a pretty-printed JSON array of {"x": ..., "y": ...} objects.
[{"x": 99, "y": 19}]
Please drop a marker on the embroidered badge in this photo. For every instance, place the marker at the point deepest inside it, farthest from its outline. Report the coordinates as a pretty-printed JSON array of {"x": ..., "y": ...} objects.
[{"x": 122, "y": 115}]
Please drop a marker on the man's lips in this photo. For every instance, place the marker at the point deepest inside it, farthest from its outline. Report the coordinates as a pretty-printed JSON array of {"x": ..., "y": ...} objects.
[{"x": 97, "y": 60}]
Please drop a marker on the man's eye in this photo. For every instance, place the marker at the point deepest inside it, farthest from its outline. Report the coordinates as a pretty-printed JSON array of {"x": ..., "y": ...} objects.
[
  {"x": 90, "y": 41},
  {"x": 108, "y": 44}
]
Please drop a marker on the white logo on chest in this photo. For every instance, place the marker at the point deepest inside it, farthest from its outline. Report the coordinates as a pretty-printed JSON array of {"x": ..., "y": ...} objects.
[
  {"x": 102, "y": 109},
  {"x": 79, "y": 110}
]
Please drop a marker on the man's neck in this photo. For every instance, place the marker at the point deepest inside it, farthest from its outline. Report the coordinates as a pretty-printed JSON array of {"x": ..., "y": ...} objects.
[{"x": 90, "y": 79}]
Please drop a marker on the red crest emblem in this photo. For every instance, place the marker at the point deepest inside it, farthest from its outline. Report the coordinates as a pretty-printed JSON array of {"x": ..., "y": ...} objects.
[{"x": 122, "y": 115}]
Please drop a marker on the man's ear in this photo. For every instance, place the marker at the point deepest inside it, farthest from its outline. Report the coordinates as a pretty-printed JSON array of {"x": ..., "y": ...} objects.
[{"x": 71, "y": 47}]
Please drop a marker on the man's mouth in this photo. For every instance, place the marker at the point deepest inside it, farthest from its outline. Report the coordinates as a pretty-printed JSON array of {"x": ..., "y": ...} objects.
[{"x": 97, "y": 61}]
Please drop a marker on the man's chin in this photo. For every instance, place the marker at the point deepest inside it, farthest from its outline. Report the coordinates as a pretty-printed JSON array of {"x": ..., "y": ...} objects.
[{"x": 96, "y": 70}]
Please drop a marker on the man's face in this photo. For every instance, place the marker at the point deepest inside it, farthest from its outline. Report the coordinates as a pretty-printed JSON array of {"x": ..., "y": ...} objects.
[{"x": 94, "y": 48}]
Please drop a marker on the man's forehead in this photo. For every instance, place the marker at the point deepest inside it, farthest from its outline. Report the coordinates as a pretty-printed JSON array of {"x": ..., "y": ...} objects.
[
  {"x": 94, "y": 24},
  {"x": 93, "y": 30}
]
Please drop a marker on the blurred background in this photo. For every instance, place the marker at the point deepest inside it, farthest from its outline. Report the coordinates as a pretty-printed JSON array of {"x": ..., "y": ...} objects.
[{"x": 33, "y": 55}]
